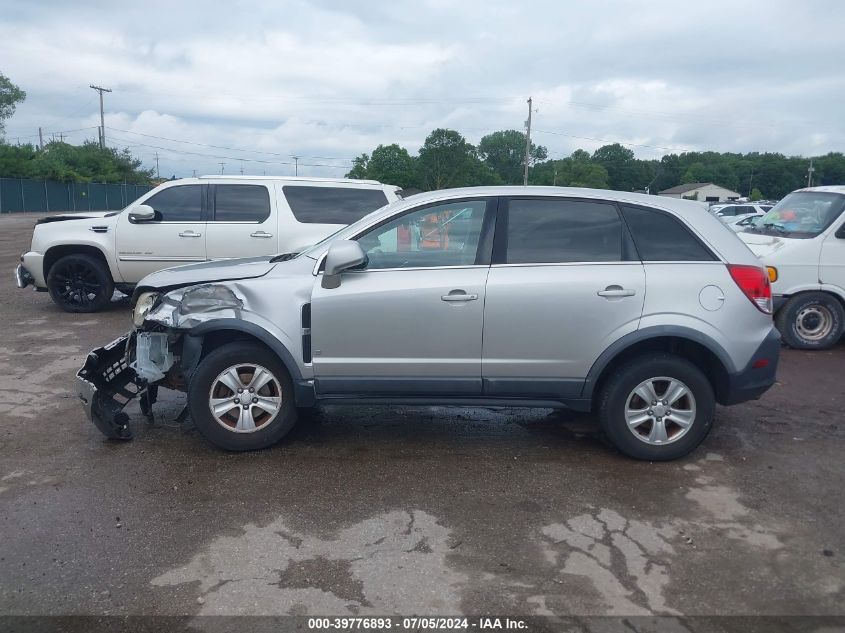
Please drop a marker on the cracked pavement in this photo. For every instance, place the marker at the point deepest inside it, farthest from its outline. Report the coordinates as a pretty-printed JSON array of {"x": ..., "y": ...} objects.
[{"x": 389, "y": 510}]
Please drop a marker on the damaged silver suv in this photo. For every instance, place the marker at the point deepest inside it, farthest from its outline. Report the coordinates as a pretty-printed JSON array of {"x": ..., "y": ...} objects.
[{"x": 642, "y": 309}]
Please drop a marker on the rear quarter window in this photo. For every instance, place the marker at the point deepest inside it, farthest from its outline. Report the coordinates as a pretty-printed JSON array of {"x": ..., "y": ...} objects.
[
  {"x": 660, "y": 237},
  {"x": 332, "y": 205}
]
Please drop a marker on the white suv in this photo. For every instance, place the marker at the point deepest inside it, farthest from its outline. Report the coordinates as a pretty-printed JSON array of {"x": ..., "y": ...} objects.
[{"x": 81, "y": 258}]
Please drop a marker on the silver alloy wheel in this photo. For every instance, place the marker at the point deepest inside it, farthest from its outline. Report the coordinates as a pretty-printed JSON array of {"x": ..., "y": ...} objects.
[
  {"x": 814, "y": 322},
  {"x": 660, "y": 410},
  {"x": 245, "y": 398}
]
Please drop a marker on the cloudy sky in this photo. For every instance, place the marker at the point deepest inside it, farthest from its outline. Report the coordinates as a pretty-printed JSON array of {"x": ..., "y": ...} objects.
[{"x": 251, "y": 84}]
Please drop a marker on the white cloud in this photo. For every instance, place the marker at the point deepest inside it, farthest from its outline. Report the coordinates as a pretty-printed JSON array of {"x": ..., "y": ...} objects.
[{"x": 328, "y": 80}]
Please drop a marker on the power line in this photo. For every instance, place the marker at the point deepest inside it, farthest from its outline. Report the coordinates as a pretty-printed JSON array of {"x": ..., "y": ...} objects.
[
  {"x": 604, "y": 140},
  {"x": 232, "y": 158},
  {"x": 231, "y": 149}
]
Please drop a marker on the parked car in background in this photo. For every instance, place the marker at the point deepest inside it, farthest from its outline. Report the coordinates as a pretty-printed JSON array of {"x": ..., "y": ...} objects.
[
  {"x": 642, "y": 309},
  {"x": 81, "y": 258},
  {"x": 739, "y": 223},
  {"x": 734, "y": 210},
  {"x": 802, "y": 243}
]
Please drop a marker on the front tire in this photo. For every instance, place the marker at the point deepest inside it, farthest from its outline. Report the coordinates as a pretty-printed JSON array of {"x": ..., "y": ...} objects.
[
  {"x": 657, "y": 407},
  {"x": 241, "y": 397},
  {"x": 80, "y": 283},
  {"x": 811, "y": 320}
]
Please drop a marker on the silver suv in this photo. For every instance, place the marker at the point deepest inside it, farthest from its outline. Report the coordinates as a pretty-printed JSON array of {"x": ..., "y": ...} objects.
[{"x": 645, "y": 310}]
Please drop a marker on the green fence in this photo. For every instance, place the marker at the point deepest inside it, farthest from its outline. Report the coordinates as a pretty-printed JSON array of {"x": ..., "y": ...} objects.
[{"x": 17, "y": 195}]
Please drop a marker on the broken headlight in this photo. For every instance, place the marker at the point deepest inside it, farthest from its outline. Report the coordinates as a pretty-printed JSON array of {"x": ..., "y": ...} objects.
[
  {"x": 208, "y": 297},
  {"x": 145, "y": 303}
]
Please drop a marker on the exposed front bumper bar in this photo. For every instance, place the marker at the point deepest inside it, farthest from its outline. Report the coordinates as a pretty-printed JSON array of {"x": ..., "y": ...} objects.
[
  {"x": 23, "y": 278},
  {"x": 105, "y": 384}
]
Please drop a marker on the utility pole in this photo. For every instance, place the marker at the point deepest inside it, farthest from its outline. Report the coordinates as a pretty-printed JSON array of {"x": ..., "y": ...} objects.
[
  {"x": 101, "y": 90},
  {"x": 242, "y": 170},
  {"x": 810, "y": 174},
  {"x": 527, "y": 143},
  {"x": 158, "y": 175},
  {"x": 222, "y": 165},
  {"x": 40, "y": 138},
  {"x": 295, "y": 165},
  {"x": 195, "y": 173}
]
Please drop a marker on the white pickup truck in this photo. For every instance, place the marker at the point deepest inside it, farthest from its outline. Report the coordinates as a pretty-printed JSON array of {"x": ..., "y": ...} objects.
[{"x": 81, "y": 258}]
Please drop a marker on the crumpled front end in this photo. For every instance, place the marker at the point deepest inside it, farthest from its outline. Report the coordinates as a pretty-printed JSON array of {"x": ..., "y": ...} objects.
[
  {"x": 106, "y": 383},
  {"x": 157, "y": 352}
]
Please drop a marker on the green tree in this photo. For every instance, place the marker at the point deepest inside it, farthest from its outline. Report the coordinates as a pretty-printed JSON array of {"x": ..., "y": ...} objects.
[
  {"x": 504, "y": 153},
  {"x": 625, "y": 172},
  {"x": 359, "y": 167},
  {"x": 575, "y": 171},
  {"x": 756, "y": 195},
  {"x": 10, "y": 96},
  {"x": 393, "y": 165},
  {"x": 447, "y": 160}
]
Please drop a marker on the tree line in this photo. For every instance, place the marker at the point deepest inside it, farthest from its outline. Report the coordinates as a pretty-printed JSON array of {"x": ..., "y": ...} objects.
[{"x": 447, "y": 159}]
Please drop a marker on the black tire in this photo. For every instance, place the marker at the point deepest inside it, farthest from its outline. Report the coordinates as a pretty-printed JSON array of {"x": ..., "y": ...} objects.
[
  {"x": 80, "y": 283},
  {"x": 204, "y": 379},
  {"x": 807, "y": 311},
  {"x": 613, "y": 401}
]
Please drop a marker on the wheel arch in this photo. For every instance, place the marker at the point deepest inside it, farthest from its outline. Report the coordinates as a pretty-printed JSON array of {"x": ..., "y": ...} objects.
[
  {"x": 213, "y": 334},
  {"x": 55, "y": 253},
  {"x": 700, "y": 350}
]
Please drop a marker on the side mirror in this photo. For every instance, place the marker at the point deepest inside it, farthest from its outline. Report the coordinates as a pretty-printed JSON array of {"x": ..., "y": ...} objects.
[
  {"x": 142, "y": 213},
  {"x": 840, "y": 232},
  {"x": 342, "y": 255}
]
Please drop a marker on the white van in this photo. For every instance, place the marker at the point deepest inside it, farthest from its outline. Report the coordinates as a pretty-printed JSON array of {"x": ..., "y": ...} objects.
[
  {"x": 80, "y": 258},
  {"x": 802, "y": 243}
]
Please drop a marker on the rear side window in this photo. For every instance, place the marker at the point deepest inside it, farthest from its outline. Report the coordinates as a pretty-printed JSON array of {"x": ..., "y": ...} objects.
[
  {"x": 659, "y": 237},
  {"x": 332, "y": 205},
  {"x": 241, "y": 203},
  {"x": 180, "y": 203},
  {"x": 559, "y": 231}
]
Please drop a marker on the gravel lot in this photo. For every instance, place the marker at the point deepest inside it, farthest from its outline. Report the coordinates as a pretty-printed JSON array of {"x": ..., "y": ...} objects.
[{"x": 388, "y": 510}]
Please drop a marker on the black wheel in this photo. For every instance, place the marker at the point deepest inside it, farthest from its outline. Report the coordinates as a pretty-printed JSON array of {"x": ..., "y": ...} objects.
[
  {"x": 657, "y": 407},
  {"x": 80, "y": 283},
  {"x": 811, "y": 320},
  {"x": 241, "y": 397}
]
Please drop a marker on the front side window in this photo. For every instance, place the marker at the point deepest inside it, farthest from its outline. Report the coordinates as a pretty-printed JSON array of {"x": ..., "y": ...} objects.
[
  {"x": 659, "y": 237},
  {"x": 802, "y": 214},
  {"x": 241, "y": 203},
  {"x": 559, "y": 231},
  {"x": 180, "y": 203},
  {"x": 332, "y": 205},
  {"x": 440, "y": 235}
]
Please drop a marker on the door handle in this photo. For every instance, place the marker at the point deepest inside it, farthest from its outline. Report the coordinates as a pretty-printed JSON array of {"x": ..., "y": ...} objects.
[
  {"x": 189, "y": 234},
  {"x": 616, "y": 291},
  {"x": 457, "y": 296},
  {"x": 261, "y": 234}
]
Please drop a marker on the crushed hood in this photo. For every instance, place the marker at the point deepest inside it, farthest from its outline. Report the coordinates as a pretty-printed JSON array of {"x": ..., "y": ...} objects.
[
  {"x": 204, "y": 272},
  {"x": 764, "y": 245}
]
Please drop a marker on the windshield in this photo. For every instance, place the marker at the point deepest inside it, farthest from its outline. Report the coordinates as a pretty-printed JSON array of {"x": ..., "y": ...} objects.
[{"x": 802, "y": 214}]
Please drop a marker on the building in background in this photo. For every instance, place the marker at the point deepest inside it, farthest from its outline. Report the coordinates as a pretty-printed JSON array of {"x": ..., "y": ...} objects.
[{"x": 701, "y": 191}]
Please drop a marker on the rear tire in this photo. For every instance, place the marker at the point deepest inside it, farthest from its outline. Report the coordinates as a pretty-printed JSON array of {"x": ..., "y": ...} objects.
[
  {"x": 252, "y": 393},
  {"x": 671, "y": 418},
  {"x": 811, "y": 320},
  {"x": 80, "y": 283}
]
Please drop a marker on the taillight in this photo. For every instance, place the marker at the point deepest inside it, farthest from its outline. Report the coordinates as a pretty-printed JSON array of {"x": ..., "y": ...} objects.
[{"x": 754, "y": 283}]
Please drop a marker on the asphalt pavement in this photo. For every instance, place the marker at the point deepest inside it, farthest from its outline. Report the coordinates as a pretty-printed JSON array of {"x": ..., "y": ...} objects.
[{"x": 405, "y": 510}]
